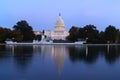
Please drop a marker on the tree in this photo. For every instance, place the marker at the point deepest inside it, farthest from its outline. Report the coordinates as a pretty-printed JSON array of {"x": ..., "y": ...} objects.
[
  {"x": 102, "y": 37},
  {"x": 16, "y": 36},
  {"x": 74, "y": 32},
  {"x": 82, "y": 33},
  {"x": 38, "y": 37},
  {"x": 110, "y": 34},
  {"x": 88, "y": 32},
  {"x": 4, "y": 34},
  {"x": 26, "y": 30},
  {"x": 91, "y": 33},
  {"x": 118, "y": 37}
]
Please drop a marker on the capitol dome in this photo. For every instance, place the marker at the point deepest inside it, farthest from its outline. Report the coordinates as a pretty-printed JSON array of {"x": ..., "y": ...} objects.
[{"x": 60, "y": 23}]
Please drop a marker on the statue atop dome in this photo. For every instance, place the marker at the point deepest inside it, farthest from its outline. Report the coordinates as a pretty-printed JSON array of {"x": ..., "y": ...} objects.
[{"x": 59, "y": 14}]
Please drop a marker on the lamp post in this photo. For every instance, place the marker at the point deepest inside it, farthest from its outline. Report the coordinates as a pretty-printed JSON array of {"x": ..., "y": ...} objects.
[
  {"x": 108, "y": 42},
  {"x": 86, "y": 39},
  {"x": 13, "y": 39}
]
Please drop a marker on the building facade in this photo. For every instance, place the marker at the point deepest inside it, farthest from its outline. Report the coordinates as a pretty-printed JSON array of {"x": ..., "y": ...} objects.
[{"x": 59, "y": 32}]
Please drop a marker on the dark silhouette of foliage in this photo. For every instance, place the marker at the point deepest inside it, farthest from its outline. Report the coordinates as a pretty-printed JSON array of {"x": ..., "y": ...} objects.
[
  {"x": 89, "y": 32},
  {"x": 38, "y": 37},
  {"x": 4, "y": 34},
  {"x": 101, "y": 37},
  {"x": 73, "y": 34},
  {"x": 16, "y": 36},
  {"x": 110, "y": 34},
  {"x": 26, "y": 30}
]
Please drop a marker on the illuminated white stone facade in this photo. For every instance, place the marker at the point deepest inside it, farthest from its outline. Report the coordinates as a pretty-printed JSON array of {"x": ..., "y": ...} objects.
[{"x": 59, "y": 33}]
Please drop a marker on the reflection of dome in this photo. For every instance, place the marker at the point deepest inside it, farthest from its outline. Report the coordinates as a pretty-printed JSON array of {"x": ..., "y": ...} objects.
[
  {"x": 59, "y": 55},
  {"x": 59, "y": 60},
  {"x": 60, "y": 23}
]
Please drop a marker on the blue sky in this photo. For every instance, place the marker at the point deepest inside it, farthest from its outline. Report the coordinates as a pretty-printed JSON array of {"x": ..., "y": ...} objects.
[{"x": 42, "y": 14}]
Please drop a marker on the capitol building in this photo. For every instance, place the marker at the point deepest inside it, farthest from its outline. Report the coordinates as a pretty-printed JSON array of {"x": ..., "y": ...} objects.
[{"x": 59, "y": 32}]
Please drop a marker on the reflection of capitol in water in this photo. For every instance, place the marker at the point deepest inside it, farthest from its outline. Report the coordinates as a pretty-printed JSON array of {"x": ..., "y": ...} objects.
[{"x": 57, "y": 52}]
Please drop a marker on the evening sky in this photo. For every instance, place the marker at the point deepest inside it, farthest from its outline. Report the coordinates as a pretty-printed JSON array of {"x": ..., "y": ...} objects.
[{"x": 42, "y": 14}]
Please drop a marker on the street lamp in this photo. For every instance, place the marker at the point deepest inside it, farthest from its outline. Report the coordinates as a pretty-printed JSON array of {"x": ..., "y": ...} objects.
[
  {"x": 108, "y": 42},
  {"x": 86, "y": 39}
]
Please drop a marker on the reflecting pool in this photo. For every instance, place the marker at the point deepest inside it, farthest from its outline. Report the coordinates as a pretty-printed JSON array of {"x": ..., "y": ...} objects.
[{"x": 60, "y": 62}]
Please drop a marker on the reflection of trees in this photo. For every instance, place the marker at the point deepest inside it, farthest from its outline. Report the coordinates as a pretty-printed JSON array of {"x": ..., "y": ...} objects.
[
  {"x": 88, "y": 54},
  {"x": 79, "y": 53},
  {"x": 113, "y": 54},
  {"x": 23, "y": 55},
  {"x": 4, "y": 53},
  {"x": 110, "y": 53}
]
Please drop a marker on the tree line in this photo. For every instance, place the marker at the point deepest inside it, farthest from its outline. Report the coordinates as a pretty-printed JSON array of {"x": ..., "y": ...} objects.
[
  {"x": 92, "y": 35},
  {"x": 23, "y": 32}
]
